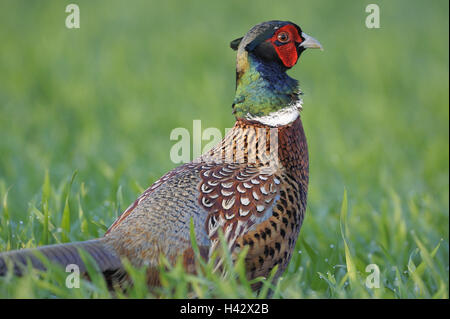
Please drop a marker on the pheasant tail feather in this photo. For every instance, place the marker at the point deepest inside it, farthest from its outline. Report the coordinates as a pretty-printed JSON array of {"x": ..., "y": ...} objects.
[{"x": 62, "y": 254}]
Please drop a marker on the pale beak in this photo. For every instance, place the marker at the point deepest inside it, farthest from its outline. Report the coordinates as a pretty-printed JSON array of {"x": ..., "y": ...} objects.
[{"x": 310, "y": 42}]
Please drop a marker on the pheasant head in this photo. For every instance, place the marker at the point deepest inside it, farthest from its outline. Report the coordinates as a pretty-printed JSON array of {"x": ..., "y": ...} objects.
[{"x": 264, "y": 92}]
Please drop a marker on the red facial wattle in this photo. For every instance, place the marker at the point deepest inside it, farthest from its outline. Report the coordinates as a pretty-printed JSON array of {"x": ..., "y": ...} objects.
[{"x": 287, "y": 52}]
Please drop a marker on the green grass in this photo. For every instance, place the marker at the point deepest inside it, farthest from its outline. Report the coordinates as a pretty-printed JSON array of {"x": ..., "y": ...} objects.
[{"x": 86, "y": 115}]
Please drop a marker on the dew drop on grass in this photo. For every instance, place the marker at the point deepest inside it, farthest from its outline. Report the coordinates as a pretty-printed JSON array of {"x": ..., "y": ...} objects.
[
  {"x": 331, "y": 246},
  {"x": 326, "y": 260},
  {"x": 299, "y": 251},
  {"x": 21, "y": 222}
]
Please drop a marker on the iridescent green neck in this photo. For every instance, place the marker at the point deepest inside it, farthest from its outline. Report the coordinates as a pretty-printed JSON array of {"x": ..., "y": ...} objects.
[{"x": 262, "y": 88}]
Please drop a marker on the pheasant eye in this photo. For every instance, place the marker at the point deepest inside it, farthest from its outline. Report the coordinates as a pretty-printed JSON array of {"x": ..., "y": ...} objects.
[{"x": 283, "y": 37}]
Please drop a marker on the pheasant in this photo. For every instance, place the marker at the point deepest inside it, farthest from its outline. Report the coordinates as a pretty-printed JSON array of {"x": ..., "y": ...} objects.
[{"x": 252, "y": 185}]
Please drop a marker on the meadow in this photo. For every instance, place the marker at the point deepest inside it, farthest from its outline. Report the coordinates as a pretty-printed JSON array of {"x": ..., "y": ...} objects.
[{"x": 86, "y": 115}]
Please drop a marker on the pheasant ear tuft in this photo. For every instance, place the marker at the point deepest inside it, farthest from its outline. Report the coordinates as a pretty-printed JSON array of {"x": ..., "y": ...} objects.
[{"x": 235, "y": 43}]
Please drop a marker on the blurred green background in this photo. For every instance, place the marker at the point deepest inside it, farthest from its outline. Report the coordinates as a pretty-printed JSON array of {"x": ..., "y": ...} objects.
[{"x": 102, "y": 100}]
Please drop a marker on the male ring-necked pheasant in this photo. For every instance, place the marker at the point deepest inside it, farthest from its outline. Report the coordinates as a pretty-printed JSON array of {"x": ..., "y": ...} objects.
[{"x": 253, "y": 185}]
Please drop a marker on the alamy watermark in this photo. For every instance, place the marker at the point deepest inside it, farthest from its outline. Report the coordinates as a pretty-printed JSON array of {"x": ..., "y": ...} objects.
[
  {"x": 73, "y": 19},
  {"x": 247, "y": 144},
  {"x": 373, "y": 279},
  {"x": 73, "y": 279},
  {"x": 373, "y": 19}
]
